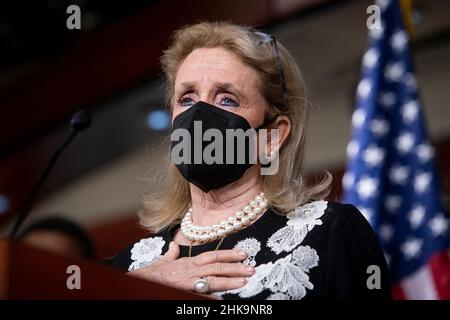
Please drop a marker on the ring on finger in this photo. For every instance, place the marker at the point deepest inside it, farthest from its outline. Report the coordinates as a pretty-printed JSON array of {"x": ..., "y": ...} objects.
[{"x": 201, "y": 285}]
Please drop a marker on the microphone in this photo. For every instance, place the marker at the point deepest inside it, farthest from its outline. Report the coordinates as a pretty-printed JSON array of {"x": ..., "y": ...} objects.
[{"x": 80, "y": 121}]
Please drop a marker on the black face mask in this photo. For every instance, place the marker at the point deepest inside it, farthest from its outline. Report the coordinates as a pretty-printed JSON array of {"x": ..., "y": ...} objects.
[{"x": 213, "y": 176}]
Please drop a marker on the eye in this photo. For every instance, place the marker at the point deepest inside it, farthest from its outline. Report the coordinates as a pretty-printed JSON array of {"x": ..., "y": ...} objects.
[
  {"x": 186, "y": 101},
  {"x": 228, "y": 101}
]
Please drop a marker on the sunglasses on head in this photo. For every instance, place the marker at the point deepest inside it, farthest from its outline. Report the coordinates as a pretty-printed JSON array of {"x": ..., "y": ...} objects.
[{"x": 267, "y": 38}]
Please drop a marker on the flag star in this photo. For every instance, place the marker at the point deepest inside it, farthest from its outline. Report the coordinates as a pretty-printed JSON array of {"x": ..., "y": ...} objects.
[
  {"x": 366, "y": 187},
  {"x": 410, "y": 80},
  {"x": 387, "y": 257},
  {"x": 377, "y": 33},
  {"x": 379, "y": 127},
  {"x": 416, "y": 216},
  {"x": 367, "y": 213},
  {"x": 387, "y": 99},
  {"x": 371, "y": 57},
  {"x": 438, "y": 224},
  {"x": 411, "y": 248},
  {"x": 404, "y": 142},
  {"x": 373, "y": 155},
  {"x": 399, "y": 174},
  {"x": 352, "y": 149},
  {"x": 383, "y": 4},
  {"x": 421, "y": 182},
  {"x": 392, "y": 203},
  {"x": 386, "y": 232},
  {"x": 424, "y": 152},
  {"x": 364, "y": 88},
  {"x": 358, "y": 118},
  {"x": 394, "y": 71},
  {"x": 399, "y": 40},
  {"x": 348, "y": 180},
  {"x": 410, "y": 111}
]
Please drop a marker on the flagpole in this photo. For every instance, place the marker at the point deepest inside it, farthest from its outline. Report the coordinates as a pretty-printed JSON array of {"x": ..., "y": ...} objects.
[{"x": 406, "y": 8}]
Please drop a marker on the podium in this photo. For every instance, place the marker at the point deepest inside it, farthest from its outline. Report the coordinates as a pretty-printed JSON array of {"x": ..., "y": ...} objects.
[{"x": 31, "y": 274}]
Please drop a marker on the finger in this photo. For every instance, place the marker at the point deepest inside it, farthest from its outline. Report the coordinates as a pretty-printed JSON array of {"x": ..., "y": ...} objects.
[
  {"x": 220, "y": 256},
  {"x": 227, "y": 270},
  {"x": 173, "y": 252},
  {"x": 224, "y": 283}
]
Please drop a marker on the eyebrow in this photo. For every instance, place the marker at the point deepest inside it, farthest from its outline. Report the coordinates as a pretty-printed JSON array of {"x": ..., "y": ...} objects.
[{"x": 225, "y": 86}]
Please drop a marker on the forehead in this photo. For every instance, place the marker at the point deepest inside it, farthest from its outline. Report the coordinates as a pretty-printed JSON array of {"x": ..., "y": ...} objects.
[{"x": 205, "y": 65}]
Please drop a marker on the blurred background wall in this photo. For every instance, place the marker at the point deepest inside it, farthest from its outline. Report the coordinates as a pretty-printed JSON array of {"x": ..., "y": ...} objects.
[{"x": 111, "y": 68}]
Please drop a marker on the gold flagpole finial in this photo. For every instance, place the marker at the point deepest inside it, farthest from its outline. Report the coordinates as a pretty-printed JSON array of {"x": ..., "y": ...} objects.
[{"x": 406, "y": 8}]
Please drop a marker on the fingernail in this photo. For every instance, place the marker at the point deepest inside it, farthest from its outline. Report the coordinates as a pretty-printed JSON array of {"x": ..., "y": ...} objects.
[
  {"x": 250, "y": 270},
  {"x": 242, "y": 281},
  {"x": 243, "y": 254}
]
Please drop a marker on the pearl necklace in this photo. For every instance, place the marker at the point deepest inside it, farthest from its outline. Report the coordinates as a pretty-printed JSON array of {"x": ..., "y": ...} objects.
[{"x": 234, "y": 223}]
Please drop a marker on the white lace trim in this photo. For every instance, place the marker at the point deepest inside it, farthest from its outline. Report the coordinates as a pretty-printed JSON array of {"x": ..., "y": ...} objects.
[
  {"x": 252, "y": 247},
  {"x": 300, "y": 221},
  {"x": 287, "y": 278},
  {"x": 146, "y": 252}
]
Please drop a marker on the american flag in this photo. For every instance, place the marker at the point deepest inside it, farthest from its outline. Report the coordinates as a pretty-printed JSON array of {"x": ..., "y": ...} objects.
[{"x": 391, "y": 176}]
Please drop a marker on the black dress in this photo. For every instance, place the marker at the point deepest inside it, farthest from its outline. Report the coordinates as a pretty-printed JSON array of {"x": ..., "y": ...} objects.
[{"x": 321, "y": 250}]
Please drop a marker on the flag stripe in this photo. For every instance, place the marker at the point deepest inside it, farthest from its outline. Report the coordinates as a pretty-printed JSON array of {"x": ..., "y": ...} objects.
[
  {"x": 397, "y": 292},
  {"x": 420, "y": 285},
  {"x": 440, "y": 268}
]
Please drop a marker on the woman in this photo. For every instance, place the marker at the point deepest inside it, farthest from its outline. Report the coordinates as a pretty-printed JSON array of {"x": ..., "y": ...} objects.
[{"x": 225, "y": 228}]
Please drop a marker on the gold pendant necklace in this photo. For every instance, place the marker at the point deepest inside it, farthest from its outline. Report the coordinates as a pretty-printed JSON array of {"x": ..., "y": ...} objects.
[{"x": 217, "y": 247}]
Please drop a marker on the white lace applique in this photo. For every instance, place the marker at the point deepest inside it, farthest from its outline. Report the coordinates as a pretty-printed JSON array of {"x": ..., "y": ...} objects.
[
  {"x": 278, "y": 296},
  {"x": 300, "y": 222},
  {"x": 287, "y": 278},
  {"x": 252, "y": 247},
  {"x": 146, "y": 252}
]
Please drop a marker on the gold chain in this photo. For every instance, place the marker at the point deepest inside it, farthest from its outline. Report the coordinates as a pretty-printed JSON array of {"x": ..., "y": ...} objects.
[{"x": 220, "y": 243}]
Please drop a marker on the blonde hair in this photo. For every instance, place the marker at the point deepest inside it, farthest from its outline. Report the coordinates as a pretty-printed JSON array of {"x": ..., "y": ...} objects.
[{"x": 286, "y": 189}]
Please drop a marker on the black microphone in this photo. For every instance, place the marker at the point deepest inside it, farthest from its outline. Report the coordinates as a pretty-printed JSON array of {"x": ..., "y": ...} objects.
[{"x": 80, "y": 121}]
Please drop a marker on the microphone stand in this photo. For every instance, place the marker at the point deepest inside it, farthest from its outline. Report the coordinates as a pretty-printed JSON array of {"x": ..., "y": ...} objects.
[{"x": 78, "y": 124}]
